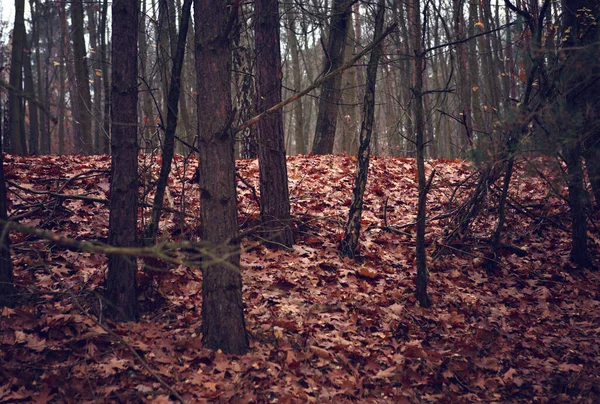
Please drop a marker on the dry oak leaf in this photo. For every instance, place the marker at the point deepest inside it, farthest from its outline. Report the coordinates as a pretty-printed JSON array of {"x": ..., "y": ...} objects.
[
  {"x": 366, "y": 272},
  {"x": 321, "y": 353}
]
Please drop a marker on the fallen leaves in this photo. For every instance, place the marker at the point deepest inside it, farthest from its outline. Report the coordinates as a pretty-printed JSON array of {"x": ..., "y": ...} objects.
[{"x": 322, "y": 328}]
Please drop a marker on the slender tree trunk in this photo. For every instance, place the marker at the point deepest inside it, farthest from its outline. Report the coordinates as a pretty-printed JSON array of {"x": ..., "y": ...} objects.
[
  {"x": 121, "y": 281},
  {"x": 83, "y": 132},
  {"x": 330, "y": 90},
  {"x": 297, "y": 78},
  {"x": 352, "y": 231},
  {"x": 7, "y": 291},
  {"x": 419, "y": 69},
  {"x": 464, "y": 89},
  {"x": 105, "y": 140},
  {"x": 96, "y": 109},
  {"x": 148, "y": 125},
  {"x": 16, "y": 136},
  {"x": 34, "y": 131},
  {"x": 223, "y": 324},
  {"x": 44, "y": 119},
  {"x": 172, "y": 114},
  {"x": 274, "y": 197}
]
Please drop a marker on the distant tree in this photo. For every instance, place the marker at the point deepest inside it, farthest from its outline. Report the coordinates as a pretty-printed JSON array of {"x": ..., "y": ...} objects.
[
  {"x": 105, "y": 138},
  {"x": 274, "y": 196},
  {"x": 331, "y": 89},
  {"x": 223, "y": 324},
  {"x": 83, "y": 123},
  {"x": 121, "y": 280},
  {"x": 299, "y": 137},
  {"x": 34, "y": 133}
]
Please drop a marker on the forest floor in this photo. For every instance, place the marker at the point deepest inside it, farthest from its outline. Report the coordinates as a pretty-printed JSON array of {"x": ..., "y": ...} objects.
[{"x": 322, "y": 328}]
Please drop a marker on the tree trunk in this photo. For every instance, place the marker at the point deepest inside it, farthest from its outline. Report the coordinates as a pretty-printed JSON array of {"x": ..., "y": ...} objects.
[
  {"x": 580, "y": 82},
  {"x": 34, "y": 131},
  {"x": 464, "y": 90},
  {"x": 44, "y": 119},
  {"x": 274, "y": 197},
  {"x": 83, "y": 127},
  {"x": 297, "y": 78},
  {"x": 223, "y": 324},
  {"x": 419, "y": 69},
  {"x": 348, "y": 118},
  {"x": 172, "y": 114},
  {"x": 330, "y": 90},
  {"x": 105, "y": 140},
  {"x": 7, "y": 292},
  {"x": 96, "y": 109},
  {"x": 352, "y": 231},
  {"x": 16, "y": 136},
  {"x": 121, "y": 282},
  {"x": 148, "y": 124}
]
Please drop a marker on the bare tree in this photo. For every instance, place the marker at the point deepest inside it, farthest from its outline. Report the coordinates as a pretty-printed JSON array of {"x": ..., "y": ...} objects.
[
  {"x": 121, "y": 281},
  {"x": 82, "y": 125},
  {"x": 330, "y": 90},
  {"x": 223, "y": 324},
  {"x": 352, "y": 229},
  {"x": 16, "y": 135},
  {"x": 274, "y": 197}
]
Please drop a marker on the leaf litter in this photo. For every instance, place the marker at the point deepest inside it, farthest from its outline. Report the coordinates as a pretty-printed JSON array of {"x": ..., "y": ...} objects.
[{"x": 322, "y": 328}]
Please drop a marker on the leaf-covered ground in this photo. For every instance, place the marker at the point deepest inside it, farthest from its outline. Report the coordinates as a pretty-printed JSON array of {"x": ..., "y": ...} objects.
[{"x": 322, "y": 328}]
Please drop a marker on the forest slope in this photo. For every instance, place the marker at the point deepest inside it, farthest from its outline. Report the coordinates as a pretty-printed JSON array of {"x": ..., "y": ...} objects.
[{"x": 322, "y": 328}]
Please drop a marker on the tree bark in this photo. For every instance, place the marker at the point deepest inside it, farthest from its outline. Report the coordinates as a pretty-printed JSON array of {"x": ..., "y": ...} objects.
[
  {"x": 105, "y": 140},
  {"x": 274, "y": 196},
  {"x": 223, "y": 324},
  {"x": 349, "y": 116},
  {"x": 330, "y": 90},
  {"x": 34, "y": 131},
  {"x": 419, "y": 69},
  {"x": 96, "y": 109},
  {"x": 121, "y": 282},
  {"x": 16, "y": 135},
  {"x": 580, "y": 79},
  {"x": 352, "y": 230},
  {"x": 83, "y": 127},
  {"x": 7, "y": 291}
]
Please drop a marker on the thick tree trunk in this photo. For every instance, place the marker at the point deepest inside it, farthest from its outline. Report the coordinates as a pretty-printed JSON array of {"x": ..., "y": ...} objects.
[
  {"x": 83, "y": 132},
  {"x": 352, "y": 231},
  {"x": 330, "y": 90},
  {"x": 121, "y": 282},
  {"x": 349, "y": 115},
  {"x": 274, "y": 196},
  {"x": 16, "y": 135},
  {"x": 223, "y": 324}
]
